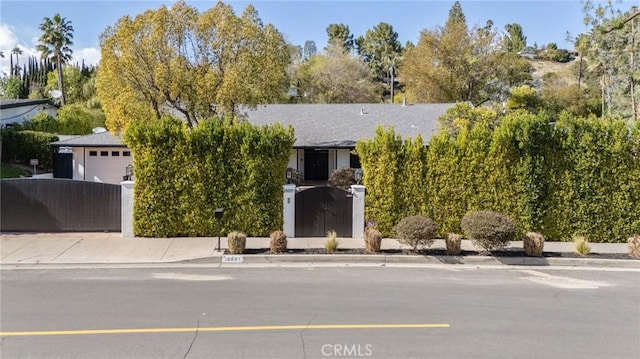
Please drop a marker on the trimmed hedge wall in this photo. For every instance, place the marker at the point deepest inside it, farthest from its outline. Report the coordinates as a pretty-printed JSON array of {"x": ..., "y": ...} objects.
[
  {"x": 22, "y": 146},
  {"x": 394, "y": 173},
  {"x": 575, "y": 176},
  {"x": 182, "y": 177}
]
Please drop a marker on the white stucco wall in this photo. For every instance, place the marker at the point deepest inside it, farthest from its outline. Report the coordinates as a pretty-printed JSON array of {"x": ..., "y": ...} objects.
[
  {"x": 78, "y": 163},
  {"x": 332, "y": 161},
  {"x": 100, "y": 168},
  {"x": 293, "y": 160},
  {"x": 343, "y": 158}
]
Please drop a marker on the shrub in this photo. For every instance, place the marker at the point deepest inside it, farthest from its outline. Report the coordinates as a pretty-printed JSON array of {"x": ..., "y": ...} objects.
[
  {"x": 454, "y": 244},
  {"x": 22, "y": 146},
  {"x": 237, "y": 242},
  {"x": 331, "y": 245},
  {"x": 533, "y": 244},
  {"x": 278, "y": 242},
  {"x": 416, "y": 231},
  {"x": 372, "y": 240},
  {"x": 342, "y": 178},
  {"x": 488, "y": 229},
  {"x": 582, "y": 245},
  {"x": 634, "y": 246}
]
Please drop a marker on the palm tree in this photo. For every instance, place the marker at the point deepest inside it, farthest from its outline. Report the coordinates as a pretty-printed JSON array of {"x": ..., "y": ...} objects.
[
  {"x": 16, "y": 51},
  {"x": 54, "y": 43}
]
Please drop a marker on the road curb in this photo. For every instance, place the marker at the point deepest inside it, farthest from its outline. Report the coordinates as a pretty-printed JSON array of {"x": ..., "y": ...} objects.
[{"x": 373, "y": 259}]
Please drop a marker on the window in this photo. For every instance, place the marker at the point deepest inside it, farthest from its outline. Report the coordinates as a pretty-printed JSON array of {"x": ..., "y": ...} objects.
[
  {"x": 104, "y": 153},
  {"x": 126, "y": 153},
  {"x": 354, "y": 161},
  {"x": 115, "y": 153},
  {"x": 93, "y": 153}
]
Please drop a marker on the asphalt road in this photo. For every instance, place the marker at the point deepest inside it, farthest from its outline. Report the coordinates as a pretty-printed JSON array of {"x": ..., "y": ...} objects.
[{"x": 447, "y": 312}]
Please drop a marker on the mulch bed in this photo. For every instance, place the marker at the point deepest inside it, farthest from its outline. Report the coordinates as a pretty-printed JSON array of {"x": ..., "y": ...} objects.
[{"x": 440, "y": 252}]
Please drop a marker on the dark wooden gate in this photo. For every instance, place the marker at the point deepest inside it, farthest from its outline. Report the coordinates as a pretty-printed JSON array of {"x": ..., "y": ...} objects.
[
  {"x": 63, "y": 165},
  {"x": 323, "y": 209},
  {"x": 59, "y": 205}
]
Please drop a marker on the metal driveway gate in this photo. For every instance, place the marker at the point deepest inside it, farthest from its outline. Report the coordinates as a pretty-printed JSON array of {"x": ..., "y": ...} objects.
[
  {"x": 322, "y": 209},
  {"x": 59, "y": 205}
]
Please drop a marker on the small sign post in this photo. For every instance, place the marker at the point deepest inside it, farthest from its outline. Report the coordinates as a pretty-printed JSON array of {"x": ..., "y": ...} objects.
[{"x": 34, "y": 162}]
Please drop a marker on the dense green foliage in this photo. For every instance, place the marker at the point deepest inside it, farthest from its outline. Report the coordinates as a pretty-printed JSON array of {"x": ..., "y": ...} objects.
[
  {"x": 571, "y": 175},
  {"x": 394, "y": 175},
  {"x": 22, "y": 146},
  {"x": 183, "y": 176},
  {"x": 72, "y": 119}
]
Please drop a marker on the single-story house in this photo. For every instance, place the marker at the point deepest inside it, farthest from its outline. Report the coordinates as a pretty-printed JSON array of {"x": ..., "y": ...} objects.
[
  {"x": 98, "y": 157},
  {"x": 18, "y": 111},
  {"x": 326, "y": 134}
]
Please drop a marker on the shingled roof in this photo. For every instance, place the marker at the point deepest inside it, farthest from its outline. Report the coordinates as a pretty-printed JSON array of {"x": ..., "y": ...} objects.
[
  {"x": 322, "y": 125},
  {"x": 342, "y": 125},
  {"x": 102, "y": 139}
]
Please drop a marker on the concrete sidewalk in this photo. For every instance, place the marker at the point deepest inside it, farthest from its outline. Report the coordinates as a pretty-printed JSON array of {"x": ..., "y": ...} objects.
[{"x": 110, "y": 248}]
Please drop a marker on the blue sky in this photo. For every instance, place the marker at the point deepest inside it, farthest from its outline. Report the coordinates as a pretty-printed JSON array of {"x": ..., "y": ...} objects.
[{"x": 542, "y": 21}]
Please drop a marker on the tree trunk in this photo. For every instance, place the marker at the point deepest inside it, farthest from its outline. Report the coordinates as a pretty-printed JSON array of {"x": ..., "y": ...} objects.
[{"x": 60, "y": 83}]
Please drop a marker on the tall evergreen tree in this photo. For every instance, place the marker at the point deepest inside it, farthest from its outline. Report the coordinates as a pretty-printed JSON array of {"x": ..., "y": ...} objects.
[
  {"x": 380, "y": 48},
  {"x": 514, "y": 39},
  {"x": 341, "y": 35}
]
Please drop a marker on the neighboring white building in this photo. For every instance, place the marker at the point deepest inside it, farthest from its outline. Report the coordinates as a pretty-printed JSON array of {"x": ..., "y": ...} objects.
[
  {"x": 99, "y": 157},
  {"x": 18, "y": 111}
]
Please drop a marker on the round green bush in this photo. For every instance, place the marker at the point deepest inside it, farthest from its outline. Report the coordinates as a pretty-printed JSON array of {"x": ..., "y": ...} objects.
[
  {"x": 416, "y": 231},
  {"x": 488, "y": 229}
]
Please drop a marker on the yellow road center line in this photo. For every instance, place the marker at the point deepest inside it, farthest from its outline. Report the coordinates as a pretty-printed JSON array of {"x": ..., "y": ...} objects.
[{"x": 221, "y": 329}]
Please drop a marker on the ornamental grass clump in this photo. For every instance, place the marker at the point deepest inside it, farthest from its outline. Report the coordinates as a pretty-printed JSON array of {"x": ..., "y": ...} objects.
[
  {"x": 278, "y": 241},
  {"x": 237, "y": 242},
  {"x": 489, "y": 230},
  {"x": 332, "y": 242},
  {"x": 582, "y": 245},
  {"x": 634, "y": 246},
  {"x": 454, "y": 244},
  {"x": 533, "y": 244},
  {"x": 372, "y": 240},
  {"x": 416, "y": 231}
]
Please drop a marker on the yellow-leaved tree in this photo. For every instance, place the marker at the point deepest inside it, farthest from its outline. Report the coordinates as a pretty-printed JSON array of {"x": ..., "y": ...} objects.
[{"x": 193, "y": 65}]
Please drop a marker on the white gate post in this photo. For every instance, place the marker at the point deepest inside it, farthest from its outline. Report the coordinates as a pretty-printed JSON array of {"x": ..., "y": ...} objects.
[
  {"x": 126, "y": 224},
  {"x": 289, "y": 210},
  {"x": 357, "y": 229}
]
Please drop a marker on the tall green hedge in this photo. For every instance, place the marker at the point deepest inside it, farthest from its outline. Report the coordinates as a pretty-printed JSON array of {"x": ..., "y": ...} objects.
[
  {"x": 561, "y": 177},
  {"x": 22, "y": 146},
  {"x": 182, "y": 176}
]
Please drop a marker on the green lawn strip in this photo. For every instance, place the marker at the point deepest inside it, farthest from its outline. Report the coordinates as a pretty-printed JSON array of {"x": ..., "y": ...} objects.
[{"x": 9, "y": 171}]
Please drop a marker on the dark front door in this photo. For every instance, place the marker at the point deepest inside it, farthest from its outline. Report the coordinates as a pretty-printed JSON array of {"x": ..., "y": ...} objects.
[
  {"x": 316, "y": 165},
  {"x": 323, "y": 209}
]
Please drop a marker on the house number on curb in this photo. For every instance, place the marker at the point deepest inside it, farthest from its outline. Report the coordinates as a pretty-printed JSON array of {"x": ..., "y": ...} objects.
[{"x": 232, "y": 259}]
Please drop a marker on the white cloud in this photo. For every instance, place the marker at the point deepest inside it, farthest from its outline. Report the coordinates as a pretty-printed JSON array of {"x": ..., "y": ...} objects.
[
  {"x": 9, "y": 40},
  {"x": 91, "y": 56}
]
